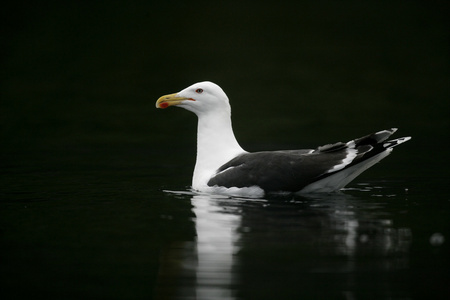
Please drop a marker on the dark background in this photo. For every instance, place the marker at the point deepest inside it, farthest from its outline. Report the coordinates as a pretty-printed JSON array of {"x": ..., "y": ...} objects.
[{"x": 85, "y": 154}]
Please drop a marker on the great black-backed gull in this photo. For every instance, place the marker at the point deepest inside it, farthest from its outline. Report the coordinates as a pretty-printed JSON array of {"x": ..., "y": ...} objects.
[{"x": 223, "y": 167}]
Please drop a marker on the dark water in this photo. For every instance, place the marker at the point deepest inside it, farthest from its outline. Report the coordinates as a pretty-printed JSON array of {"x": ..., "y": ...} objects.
[
  {"x": 357, "y": 245},
  {"x": 86, "y": 158}
]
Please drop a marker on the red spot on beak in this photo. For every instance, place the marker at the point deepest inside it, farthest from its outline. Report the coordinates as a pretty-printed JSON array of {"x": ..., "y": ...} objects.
[{"x": 164, "y": 105}]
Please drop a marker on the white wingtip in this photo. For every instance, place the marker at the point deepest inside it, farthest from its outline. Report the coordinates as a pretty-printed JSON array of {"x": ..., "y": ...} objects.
[{"x": 396, "y": 142}]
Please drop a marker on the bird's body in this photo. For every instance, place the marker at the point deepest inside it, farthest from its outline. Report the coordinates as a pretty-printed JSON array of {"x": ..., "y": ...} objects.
[{"x": 222, "y": 166}]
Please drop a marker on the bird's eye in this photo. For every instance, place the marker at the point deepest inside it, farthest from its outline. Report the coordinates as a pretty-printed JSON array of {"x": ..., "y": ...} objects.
[{"x": 199, "y": 91}]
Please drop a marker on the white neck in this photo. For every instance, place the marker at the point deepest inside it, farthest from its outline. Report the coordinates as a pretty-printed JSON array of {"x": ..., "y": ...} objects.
[{"x": 216, "y": 145}]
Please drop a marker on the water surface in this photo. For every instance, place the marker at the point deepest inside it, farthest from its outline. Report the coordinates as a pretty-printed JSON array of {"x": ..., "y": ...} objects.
[{"x": 351, "y": 245}]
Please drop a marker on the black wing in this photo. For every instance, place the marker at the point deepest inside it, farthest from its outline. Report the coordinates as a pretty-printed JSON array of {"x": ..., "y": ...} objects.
[
  {"x": 292, "y": 170},
  {"x": 276, "y": 171}
]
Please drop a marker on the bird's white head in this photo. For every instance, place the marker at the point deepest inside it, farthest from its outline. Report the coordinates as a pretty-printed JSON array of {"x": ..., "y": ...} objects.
[{"x": 200, "y": 98}]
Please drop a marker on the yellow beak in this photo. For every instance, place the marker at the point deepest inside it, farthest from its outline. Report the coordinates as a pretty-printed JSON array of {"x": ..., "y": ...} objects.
[{"x": 170, "y": 100}]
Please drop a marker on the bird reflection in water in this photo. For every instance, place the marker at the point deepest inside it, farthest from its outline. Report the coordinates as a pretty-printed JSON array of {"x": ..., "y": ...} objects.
[
  {"x": 260, "y": 249},
  {"x": 205, "y": 268}
]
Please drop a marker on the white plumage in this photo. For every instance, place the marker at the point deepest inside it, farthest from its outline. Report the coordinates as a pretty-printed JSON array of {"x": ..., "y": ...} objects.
[{"x": 222, "y": 166}]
